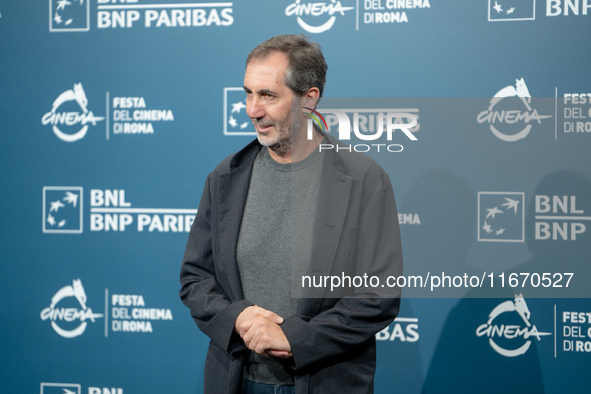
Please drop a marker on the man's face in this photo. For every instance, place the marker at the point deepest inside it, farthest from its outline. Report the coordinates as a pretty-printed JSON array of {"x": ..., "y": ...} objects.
[{"x": 268, "y": 101}]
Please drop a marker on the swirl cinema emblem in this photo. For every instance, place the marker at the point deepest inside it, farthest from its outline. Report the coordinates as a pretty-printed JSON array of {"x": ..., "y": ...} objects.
[
  {"x": 71, "y": 120},
  {"x": 511, "y": 116},
  {"x": 69, "y": 315},
  {"x": 509, "y": 332},
  {"x": 316, "y": 10}
]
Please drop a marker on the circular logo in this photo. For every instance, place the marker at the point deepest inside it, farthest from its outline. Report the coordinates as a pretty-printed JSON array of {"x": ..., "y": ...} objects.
[
  {"x": 69, "y": 315},
  {"x": 75, "y": 120}
]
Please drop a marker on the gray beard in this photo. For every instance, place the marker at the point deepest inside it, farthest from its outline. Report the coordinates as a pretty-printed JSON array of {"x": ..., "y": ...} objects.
[{"x": 283, "y": 146}]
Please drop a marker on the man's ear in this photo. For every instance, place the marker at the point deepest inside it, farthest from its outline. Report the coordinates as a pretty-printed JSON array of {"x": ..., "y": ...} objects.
[{"x": 311, "y": 97}]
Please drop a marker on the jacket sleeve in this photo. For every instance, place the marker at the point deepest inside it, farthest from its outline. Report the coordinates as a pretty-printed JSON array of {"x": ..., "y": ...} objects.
[
  {"x": 210, "y": 307},
  {"x": 347, "y": 322}
]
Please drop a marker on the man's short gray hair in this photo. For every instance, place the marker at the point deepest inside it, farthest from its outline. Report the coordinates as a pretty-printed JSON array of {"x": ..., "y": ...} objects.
[{"x": 307, "y": 67}]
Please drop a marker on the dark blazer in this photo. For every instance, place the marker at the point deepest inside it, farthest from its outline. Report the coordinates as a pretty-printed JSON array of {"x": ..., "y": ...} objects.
[{"x": 332, "y": 339}]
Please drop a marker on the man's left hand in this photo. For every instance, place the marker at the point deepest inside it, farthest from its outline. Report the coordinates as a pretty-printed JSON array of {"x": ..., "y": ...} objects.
[{"x": 265, "y": 337}]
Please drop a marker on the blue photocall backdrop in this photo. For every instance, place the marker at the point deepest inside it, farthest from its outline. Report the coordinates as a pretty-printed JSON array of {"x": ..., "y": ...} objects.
[{"x": 113, "y": 113}]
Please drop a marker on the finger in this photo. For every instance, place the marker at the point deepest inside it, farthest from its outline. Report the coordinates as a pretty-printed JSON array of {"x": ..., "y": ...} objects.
[
  {"x": 248, "y": 335},
  {"x": 245, "y": 326},
  {"x": 279, "y": 353},
  {"x": 253, "y": 327},
  {"x": 254, "y": 344},
  {"x": 275, "y": 318}
]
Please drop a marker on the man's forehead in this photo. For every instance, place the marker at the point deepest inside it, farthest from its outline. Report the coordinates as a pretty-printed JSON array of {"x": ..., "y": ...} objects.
[{"x": 268, "y": 70}]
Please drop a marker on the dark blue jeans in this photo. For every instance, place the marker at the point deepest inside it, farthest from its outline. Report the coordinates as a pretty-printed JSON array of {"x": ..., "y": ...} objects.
[{"x": 250, "y": 387}]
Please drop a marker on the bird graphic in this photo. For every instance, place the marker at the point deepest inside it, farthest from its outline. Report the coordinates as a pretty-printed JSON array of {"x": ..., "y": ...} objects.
[
  {"x": 55, "y": 205},
  {"x": 61, "y": 4},
  {"x": 492, "y": 212},
  {"x": 61, "y": 223},
  {"x": 510, "y": 10},
  {"x": 511, "y": 204},
  {"x": 501, "y": 231},
  {"x": 243, "y": 125},
  {"x": 71, "y": 198},
  {"x": 498, "y": 7},
  {"x": 236, "y": 107}
]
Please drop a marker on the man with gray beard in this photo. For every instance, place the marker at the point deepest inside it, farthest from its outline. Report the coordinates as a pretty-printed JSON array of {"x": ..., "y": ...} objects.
[{"x": 277, "y": 209}]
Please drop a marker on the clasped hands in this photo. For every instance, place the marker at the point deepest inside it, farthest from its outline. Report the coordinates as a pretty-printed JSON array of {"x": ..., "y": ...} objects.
[{"x": 260, "y": 331}]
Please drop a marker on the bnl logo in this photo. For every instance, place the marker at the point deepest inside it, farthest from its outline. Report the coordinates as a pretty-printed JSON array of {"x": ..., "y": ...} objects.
[
  {"x": 236, "y": 121},
  {"x": 69, "y": 15},
  {"x": 62, "y": 209},
  {"x": 501, "y": 217},
  {"x": 557, "y": 217},
  {"x": 74, "y": 388},
  {"x": 60, "y": 388},
  {"x": 511, "y": 10}
]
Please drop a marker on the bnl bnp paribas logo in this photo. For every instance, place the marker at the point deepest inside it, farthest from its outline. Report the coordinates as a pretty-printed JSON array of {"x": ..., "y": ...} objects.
[
  {"x": 69, "y": 15},
  {"x": 69, "y": 116},
  {"x": 68, "y": 313},
  {"x": 509, "y": 330},
  {"x": 510, "y": 114},
  {"x": 74, "y": 15},
  {"x": 501, "y": 217},
  {"x": 62, "y": 209},
  {"x": 511, "y": 10},
  {"x": 109, "y": 211},
  {"x": 236, "y": 120},
  {"x": 76, "y": 388}
]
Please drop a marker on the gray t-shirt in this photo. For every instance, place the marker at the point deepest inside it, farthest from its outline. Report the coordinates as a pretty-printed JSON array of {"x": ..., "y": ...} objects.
[{"x": 275, "y": 235}]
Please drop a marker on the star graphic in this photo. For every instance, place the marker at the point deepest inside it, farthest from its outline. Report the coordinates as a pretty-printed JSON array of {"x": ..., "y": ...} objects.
[
  {"x": 492, "y": 212},
  {"x": 501, "y": 231},
  {"x": 511, "y": 204},
  {"x": 486, "y": 227},
  {"x": 498, "y": 7},
  {"x": 56, "y": 205},
  {"x": 61, "y": 4},
  {"x": 510, "y": 10},
  {"x": 236, "y": 107},
  {"x": 71, "y": 198},
  {"x": 69, "y": 21},
  {"x": 57, "y": 18},
  {"x": 232, "y": 121},
  {"x": 61, "y": 223},
  {"x": 243, "y": 125},
  {"x": 51, "y": 220}
]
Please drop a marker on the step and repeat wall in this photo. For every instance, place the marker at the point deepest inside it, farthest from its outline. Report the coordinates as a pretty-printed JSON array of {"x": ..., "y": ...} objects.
[{"x": 113, "y": 112}]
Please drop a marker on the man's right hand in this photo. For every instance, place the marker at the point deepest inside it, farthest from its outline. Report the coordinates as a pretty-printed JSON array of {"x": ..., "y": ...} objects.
[{"x": 252, "y": 312}]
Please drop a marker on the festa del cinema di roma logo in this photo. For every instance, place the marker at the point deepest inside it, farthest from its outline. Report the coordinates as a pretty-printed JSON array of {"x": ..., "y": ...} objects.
[
  {"x": 316, "y": 11},
  {"x": 69, "y": 125},
  {"x": 69, "y": 315},
  {"x": 510, "y": 332},
  {"x": 510, "y": 117}
]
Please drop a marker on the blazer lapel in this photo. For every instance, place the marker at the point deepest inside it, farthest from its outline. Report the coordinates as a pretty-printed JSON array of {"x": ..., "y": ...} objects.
[
  {"x": 333, "y": 203},
  {"x": 233, "y": 190}
]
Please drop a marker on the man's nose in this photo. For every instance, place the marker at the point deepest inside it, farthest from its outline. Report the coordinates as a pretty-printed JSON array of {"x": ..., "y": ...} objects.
[{"x": 254, "y": 108}]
